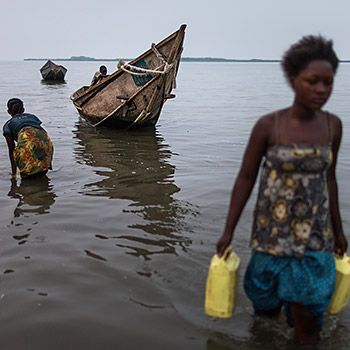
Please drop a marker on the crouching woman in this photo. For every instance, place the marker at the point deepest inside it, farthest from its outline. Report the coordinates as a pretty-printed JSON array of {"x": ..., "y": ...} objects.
[{"x": 30, "y": 147}]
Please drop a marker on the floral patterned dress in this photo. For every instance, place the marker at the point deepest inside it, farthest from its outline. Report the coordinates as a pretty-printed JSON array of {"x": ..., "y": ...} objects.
[
  {"x": 33, "y": 152},
  {"x": 291, "y": 215}
]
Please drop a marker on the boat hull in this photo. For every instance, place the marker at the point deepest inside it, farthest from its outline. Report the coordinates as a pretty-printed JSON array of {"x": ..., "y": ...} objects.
[
  {"x": 53, "y": 72},
  {"x": 133, "y": 96}
]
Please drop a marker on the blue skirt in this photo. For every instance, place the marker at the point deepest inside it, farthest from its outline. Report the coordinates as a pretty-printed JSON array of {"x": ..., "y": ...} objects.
[{"x": 271, "y": 281}]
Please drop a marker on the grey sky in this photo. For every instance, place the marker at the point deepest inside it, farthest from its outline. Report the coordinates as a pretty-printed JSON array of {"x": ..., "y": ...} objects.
[{"x": 115, "y": 28}]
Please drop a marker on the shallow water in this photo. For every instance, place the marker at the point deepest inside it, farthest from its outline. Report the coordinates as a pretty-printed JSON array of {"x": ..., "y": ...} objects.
[{"x": 112, "y": 249}]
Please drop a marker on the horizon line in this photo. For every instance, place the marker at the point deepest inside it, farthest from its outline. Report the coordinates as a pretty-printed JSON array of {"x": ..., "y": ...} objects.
[{"x": 184, "y": 59}]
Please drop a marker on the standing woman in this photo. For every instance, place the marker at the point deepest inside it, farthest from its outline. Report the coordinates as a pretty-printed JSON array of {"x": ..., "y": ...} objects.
[
  {"x": 297, "y": 224},
  {"x": 33, "y": 152}
]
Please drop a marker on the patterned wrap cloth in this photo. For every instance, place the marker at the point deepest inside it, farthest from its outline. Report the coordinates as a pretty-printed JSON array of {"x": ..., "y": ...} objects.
[
  {"x": 33, "y": 152},
  {"x": 272, "y": 281}
]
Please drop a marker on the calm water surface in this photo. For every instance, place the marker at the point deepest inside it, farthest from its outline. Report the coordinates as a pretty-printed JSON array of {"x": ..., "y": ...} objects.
[{"x": 111, "y": 251}]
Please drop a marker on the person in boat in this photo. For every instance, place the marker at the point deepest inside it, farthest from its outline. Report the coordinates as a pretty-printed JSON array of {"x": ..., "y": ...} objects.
[
  {"x": 30, "y": 147},
  {"x": 100, "y": 74},
  {"x": 297, "y": 223}
]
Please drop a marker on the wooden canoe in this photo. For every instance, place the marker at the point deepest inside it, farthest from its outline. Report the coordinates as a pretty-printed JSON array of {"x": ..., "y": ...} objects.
[
  {"x": 133, "y": 96},
  {"x": 51, "y": 71}
]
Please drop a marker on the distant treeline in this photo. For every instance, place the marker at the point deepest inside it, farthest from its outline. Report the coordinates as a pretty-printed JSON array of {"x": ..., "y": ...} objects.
[{"x": 183, "y": 59}]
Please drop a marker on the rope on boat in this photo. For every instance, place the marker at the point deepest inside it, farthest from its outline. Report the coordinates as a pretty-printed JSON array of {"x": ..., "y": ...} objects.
[
  {"x": 135, "y": 70},
  {"x": 131, "y": 72},
  {"x": 158, "y": 54}
]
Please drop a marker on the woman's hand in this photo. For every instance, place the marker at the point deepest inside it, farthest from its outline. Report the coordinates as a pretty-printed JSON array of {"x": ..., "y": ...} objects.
[
  {"x": 340, "y": 244},
  {"x": 223, "y": 243}
]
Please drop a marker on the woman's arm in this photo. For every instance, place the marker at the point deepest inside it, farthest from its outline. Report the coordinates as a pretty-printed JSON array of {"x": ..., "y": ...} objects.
[
  {"x": 341, "y": 243},
  {"x": 246, "y": 178},
  {"x": 11, "y": 147}
]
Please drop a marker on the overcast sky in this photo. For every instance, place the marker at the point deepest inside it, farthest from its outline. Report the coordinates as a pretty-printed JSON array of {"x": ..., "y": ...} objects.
[{"x": 218, "y": 28}]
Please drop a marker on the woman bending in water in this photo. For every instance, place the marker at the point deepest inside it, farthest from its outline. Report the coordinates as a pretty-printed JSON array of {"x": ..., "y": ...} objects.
[
  {"x": 29, "y": 145},
  {"x": 297, "y": 224}
]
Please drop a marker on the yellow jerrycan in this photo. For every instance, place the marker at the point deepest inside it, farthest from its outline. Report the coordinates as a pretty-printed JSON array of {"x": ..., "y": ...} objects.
[
  {"x": 221, "y": 284},
  {"x": 341, "y": 293}
]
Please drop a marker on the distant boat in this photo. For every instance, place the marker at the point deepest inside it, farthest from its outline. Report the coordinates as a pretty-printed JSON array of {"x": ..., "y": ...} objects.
[
  {"x": 133, "y": 96},
  {"x": 53, "y": 72}
]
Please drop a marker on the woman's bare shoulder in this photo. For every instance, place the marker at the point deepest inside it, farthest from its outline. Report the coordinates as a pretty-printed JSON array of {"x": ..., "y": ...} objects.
[
  {"x": 267, "y": 124},
  {"x": 334, "y": 119},
  {"x": 267, "y": 120},
  {"x": 335, "y": 123}
]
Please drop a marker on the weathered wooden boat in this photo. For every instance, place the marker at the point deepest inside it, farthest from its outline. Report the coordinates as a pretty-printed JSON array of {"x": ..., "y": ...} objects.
[
  {"x": 133, "y": 96},
  {"x": 51, "y": 71}
]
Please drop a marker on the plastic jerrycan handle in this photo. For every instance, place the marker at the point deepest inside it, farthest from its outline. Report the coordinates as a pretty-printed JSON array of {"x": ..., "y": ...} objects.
[
  {"x": 227, "y": 253},
  {"x": 345, "y": 260}
]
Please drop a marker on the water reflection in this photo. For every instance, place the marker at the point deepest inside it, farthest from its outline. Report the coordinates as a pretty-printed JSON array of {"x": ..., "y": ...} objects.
[
  {"x": 35, "y": 196},
  {"x": 53, "y": 83},
  {"x": 135, "y": 165}
]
